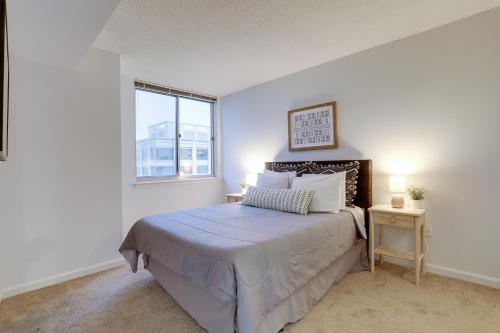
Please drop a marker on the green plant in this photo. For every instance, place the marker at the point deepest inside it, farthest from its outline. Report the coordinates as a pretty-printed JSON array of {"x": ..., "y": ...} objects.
[{"x": 416, "y": 193}]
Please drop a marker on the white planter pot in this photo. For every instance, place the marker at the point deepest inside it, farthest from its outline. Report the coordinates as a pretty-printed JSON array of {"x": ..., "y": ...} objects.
[{"x": 417, "y": 204}]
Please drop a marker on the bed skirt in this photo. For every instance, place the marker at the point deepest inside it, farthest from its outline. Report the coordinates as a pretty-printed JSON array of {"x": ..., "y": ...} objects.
[{"x": 219, "y": 317}]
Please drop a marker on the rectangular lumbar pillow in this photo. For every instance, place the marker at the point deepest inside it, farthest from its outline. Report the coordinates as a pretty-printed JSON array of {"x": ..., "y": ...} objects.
[
  {"x": 284, "y": 200},
  {"x": 328, "y": 190}
]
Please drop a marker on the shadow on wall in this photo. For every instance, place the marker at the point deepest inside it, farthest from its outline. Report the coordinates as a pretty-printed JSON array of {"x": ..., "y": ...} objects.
[
  {"x": 346, "y": 151},
  {"x": 311, "y": 100}
]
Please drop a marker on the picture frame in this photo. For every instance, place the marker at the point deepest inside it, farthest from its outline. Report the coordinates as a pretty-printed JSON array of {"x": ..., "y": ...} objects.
[
  {"x": 313, "y": 127},
  {"x": 4, "y": 77}
]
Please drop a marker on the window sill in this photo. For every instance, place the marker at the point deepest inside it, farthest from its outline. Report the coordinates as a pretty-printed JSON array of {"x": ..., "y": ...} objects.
[{"x": 176, "y": 181}]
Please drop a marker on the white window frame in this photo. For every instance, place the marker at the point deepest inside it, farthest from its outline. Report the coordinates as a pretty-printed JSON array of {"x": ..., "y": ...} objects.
[{"x": 177, "y": 93}]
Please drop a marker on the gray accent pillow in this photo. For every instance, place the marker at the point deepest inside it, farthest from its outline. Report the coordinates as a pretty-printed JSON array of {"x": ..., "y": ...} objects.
[{"x": 285, "y": 200}]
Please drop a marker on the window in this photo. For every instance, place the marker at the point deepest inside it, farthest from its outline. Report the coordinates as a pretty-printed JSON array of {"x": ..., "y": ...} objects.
[
  {"x": 174, "y": 132},
  {"x": 186, "y": 153},
  {"x": 202, "y": 154},
  {"x": 188, "y": 134},
  {"x": 162, "y": 170},
  {"x": 186, "y": 170},
  {"x": 202, "y": 134},
  {"x": 162, "y": 153},
  {"x": 202, "y": 169}
]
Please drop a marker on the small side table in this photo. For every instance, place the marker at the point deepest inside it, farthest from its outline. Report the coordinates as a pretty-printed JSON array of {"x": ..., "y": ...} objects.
[
  {"x": 409, "y": 218},
  {"x": 234, "y": 197}
]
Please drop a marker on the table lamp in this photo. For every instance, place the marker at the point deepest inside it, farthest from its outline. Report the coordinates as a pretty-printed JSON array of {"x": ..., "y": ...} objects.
[
  {"x": 397, "y": 185},
  {"x": 250, "y": 180}
]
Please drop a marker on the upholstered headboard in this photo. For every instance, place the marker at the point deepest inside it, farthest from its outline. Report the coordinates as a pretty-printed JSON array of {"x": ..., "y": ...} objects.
[{"x": 363, "y": 197}]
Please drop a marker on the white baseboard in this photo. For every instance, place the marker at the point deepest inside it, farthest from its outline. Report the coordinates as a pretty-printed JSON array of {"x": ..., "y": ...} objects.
[
  {"x": 38, "y": 284},
  {"x": 483, "y": 280},
  {"x": 466, "y": 276},
  {"x": 42, "y": 283}
]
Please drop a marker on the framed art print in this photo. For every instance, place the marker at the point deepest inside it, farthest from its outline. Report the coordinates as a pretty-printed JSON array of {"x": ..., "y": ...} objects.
[{"x": 313, "y": 127}]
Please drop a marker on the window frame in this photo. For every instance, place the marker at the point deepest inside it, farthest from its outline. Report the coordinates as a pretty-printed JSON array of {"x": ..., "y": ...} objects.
[{"x": 164, "y": 91}]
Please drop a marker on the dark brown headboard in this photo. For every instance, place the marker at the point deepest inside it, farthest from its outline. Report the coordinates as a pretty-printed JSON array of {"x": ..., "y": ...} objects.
[{"x": 364, "y": 191}]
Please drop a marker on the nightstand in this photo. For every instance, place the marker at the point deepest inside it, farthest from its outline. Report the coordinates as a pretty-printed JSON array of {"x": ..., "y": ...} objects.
[
  {"x": 234, "y": 197},
  {"x": 412, "y": 219}
]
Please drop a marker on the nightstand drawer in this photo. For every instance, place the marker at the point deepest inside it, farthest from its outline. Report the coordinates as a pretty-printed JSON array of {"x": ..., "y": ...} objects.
[
  {"x": 234, "y": 197},
  {"x": 394, "y": 219}
]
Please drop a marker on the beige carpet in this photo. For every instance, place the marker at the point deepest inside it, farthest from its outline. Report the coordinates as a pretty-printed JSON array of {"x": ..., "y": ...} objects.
[{"x": 119, "y": 301}]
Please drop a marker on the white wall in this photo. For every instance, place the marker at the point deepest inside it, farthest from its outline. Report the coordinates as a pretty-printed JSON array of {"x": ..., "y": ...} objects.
[
  {"x": 140, "y": 200},
  {"x": 56, "y": 32},
  {"x": 60, "y": 190},
  {"x": 430, "y": 100}
]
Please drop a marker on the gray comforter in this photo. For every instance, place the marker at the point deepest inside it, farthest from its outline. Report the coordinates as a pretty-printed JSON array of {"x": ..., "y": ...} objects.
[{"x": 253, "y": 256}]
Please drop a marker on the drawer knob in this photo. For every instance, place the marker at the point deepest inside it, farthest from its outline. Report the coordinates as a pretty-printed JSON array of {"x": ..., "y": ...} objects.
[{"x": 392, "y": 219}]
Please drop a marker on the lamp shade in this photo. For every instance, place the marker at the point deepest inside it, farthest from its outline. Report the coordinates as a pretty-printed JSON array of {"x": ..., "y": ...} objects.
[
  {"x": 397, "y": 184},
  {"x": 251, "y": 179}
]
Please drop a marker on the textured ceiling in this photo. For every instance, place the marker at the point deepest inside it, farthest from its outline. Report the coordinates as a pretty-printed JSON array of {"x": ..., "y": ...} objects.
[
  {"x": 57, "y": 32},
  {"x": 221, "y": 46}
]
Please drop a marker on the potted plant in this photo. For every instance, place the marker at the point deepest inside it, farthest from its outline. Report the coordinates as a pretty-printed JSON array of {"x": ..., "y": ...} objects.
[{"x": 416, "y": 197}]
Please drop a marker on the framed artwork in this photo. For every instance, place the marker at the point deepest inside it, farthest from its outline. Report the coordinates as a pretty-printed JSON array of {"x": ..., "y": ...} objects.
[
  {"x": 4, "y": 79},
  {"x": 313, "y": 127}
]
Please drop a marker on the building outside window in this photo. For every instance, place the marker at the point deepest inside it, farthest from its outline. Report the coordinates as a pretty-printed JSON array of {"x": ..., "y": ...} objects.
[
  {"x": 187, "y": 153},
  {"x": 202, "y": 154},
  {"x": 162, "y": 153},
  {"x": 201, "y": 169},
  {"x": 167, "y": 123},
  {"x": 186, "y": 170}
]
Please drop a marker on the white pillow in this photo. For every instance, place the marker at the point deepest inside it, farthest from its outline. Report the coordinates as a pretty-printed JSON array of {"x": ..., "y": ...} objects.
[
  {"x": 343, "y": 180},
  {"x": 291, "y": 175},
  {"x": 327, "y": 192},
  {"x": 272, "y": 180}
]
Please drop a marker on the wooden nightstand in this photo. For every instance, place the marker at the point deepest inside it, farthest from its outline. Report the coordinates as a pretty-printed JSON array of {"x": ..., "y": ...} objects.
[
  {"x": 234, "y": 197},
  {"x": 414, "y": 219}
]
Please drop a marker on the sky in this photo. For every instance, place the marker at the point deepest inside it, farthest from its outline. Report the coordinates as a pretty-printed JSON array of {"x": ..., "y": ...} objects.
[{"x": 153, "y": 108}]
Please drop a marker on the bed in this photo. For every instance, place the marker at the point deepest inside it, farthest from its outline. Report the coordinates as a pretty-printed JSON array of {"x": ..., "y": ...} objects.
[{"x": 246, "y": 269}]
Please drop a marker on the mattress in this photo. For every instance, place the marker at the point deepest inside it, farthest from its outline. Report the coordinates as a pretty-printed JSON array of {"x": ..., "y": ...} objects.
[{"x": 254, "y": 257}]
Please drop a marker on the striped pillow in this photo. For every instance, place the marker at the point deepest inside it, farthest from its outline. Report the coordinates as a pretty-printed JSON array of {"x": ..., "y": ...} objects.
[
  {"x": 284, "y": 200},
  {"x": 299, "y": 168}
]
